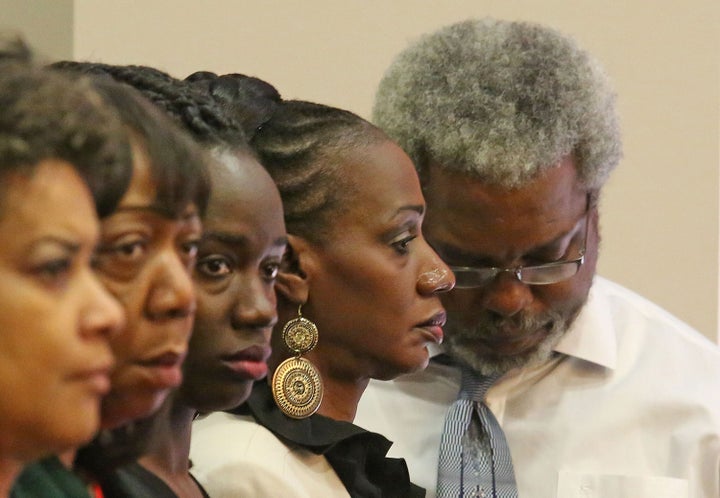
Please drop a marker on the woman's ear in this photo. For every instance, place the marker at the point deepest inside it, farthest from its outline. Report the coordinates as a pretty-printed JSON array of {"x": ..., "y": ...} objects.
[{"x": 292, "y": 280}]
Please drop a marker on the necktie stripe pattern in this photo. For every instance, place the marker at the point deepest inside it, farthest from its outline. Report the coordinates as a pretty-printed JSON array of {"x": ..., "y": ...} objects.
[{"x": 474, "y": 457}]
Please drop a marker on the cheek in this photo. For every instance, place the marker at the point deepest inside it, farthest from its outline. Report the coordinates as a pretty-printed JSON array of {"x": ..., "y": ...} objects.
[
  {"x": 202, "y": 341},
  {"x": 130, "y": 295},
  {"x": 555, "y": 297},
  {"x": 461, "y": 300},
  {"x": 124, "y": 344},
  {"x": 211, "y": 308}
]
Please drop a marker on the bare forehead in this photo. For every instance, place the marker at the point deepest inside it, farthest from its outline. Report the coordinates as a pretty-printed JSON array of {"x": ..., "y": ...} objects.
[
  {"x": 46, "y": 198},
  {"x": 241, "y": 178},
  {"x": 383, "y": 171},
  {"x": 554, "y": 195}
]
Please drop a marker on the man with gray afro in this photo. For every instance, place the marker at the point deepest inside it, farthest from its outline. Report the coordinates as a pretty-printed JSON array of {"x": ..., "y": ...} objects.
[{"x": 593, "y": 389}]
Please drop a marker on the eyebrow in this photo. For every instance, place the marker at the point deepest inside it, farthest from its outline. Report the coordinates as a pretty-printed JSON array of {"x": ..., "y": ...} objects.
[
  {"x": 157, "y": 209},
  {"x": 418, "y": 208},
  {"x": 73, "y": 247},
  {"x": 570, "y": 233},
  {"x": 453, "y": 252},
  {"x": 237, "y": 240}
]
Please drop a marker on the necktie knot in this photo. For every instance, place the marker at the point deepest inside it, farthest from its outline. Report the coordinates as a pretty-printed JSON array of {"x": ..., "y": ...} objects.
[{"x": 474, "y": 386}]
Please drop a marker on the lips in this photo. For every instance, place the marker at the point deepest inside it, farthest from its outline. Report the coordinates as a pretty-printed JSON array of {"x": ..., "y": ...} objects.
[
  {"x": 249, "y": 363},
  {"x": 434, "y": 326},
  {"x": 97, "y": 377},
  {"x": 164, "y": 370}
]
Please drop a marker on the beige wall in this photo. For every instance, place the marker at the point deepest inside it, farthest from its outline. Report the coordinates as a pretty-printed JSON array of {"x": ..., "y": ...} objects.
[
  {"x": 48, "y": 24},
  {"x": 660, "y": 209}
]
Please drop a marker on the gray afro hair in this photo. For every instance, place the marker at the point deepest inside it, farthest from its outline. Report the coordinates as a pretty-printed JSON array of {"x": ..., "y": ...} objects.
[{"x": 501, "y": 101}]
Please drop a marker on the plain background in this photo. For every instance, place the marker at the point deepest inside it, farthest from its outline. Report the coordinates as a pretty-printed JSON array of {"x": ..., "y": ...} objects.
[{"x": 659, "y": 211}]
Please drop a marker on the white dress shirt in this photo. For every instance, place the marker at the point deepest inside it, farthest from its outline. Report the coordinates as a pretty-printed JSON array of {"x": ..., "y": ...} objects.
[{"x": 629, "y": 407}]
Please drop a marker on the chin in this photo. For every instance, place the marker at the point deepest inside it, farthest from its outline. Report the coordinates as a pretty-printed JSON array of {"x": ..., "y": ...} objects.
[
  {"x": 120, "y": 410},
  {"x": 220, "y": 400},
  {"x": 75, "y": 432},
  {"x": 497, "y": 364},
  {"x": 406, "y": 366}
]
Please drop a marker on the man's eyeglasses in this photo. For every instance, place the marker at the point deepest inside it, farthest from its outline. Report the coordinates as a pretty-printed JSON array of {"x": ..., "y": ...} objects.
[{"x": 469, "y": 277}]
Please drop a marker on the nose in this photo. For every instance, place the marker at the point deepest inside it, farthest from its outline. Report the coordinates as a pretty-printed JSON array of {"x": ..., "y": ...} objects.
[
  {"x": 255, "y": 306},
  {"x": 103, "y": 314},
  {"x": 171, "y": 292},
  {"x": 435, "y": 276},
  {"x": 506, "y": 295}
]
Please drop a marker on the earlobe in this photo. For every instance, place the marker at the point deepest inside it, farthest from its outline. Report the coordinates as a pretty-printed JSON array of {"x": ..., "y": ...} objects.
[{"x": 292, "y": 280}]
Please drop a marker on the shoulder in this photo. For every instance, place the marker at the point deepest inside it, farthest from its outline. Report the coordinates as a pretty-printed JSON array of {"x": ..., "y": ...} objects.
[
  {"x": 222, "y": 437},
  {"x": 235, "y": 456},
  {"x": 48, "y": 478},
  {"x": 135, "y": 480},
  {"x": 634, "y": 315}
]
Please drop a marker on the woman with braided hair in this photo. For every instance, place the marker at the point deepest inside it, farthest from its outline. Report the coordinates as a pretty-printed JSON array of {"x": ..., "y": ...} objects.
[{"x": 357, "y": 299}]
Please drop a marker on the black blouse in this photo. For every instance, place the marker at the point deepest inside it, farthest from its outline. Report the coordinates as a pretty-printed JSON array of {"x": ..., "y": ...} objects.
[
  {"x": 135, "y": 481},
  {"x": 357, "y": 456}
]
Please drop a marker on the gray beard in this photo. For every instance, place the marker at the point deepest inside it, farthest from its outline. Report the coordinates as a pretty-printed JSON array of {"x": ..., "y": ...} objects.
[{"x": 459, "y": 340}]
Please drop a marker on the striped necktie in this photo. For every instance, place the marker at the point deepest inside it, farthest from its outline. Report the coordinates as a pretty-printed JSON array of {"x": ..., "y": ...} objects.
[{"x": 474, "y": 455}]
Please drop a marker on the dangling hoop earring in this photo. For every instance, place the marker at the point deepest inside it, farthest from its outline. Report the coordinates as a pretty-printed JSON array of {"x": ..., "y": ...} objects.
[{"x": 296, "y": 384}]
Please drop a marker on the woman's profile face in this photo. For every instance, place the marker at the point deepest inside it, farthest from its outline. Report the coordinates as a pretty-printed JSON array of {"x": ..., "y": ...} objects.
[
  {"x": 374, "y": 282},
  {"x": 238, "y": 259},
  {"x": 55, "y": 316},
  {"x": 144, "y": 259}
]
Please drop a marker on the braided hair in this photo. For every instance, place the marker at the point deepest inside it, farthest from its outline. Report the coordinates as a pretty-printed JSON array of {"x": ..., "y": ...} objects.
[
  {"x": 303, "y": 145},
  {"x": 251, "y": 101},
  {"x": 195, "y": 111}
]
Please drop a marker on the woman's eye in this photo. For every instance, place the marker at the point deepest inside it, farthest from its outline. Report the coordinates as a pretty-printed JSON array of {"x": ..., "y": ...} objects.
[
  {"x": 270, "y": 271},
  {"x": 55, "y": 270},
  {"x": 122, "y": 258},
  {"x": 402, "y": 246},
  {"x": 213, "y": 266},
  {"x": 125, "y": 251}
]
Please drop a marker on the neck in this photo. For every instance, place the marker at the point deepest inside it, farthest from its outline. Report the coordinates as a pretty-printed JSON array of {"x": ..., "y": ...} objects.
[
  {"x": 168, "y": 454},
  {"x": 342, "y": 392}
]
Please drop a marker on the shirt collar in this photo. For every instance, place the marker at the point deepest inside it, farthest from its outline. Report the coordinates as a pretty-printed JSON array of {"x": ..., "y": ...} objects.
[{"x": 591, "y": 336}]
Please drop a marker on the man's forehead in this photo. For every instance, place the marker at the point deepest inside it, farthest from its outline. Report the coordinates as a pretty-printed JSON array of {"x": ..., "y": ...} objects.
[{"x": 555, "y": 192}]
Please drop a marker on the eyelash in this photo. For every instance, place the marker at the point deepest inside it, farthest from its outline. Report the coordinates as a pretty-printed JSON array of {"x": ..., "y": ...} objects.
[
  {"x": 125, "y": 250},
  {"x": 274, "y": 270},
  {"x": 269, "y": 270},
  {"x": 55, "y": 267},
  {"x": 401, "y": 246},
  {"x": 55, "y": 271},
  {"x": 203, "y": 265}
]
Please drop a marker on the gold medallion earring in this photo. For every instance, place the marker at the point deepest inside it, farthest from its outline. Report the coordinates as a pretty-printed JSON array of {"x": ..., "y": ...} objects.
[{"x": 296, "y": 384}]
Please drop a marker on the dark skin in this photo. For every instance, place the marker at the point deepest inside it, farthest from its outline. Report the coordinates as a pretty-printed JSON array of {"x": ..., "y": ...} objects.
[
  {"x": 474, "y": 224},
  {"x": 238, "y": 259},
  {"x": 372, "y": 287},
  {"x": 144, "y": 259}
]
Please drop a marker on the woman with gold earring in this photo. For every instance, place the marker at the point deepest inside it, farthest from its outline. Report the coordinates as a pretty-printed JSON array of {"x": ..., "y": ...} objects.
[{"x": 357, "y": 299}]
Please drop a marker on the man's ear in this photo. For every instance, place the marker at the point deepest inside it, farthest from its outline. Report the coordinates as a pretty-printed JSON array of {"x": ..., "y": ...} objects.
[{"x": 293, "y": 280}]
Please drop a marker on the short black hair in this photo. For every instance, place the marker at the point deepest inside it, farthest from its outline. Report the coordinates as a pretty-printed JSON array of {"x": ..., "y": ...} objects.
[
  {"x": 46, "y": 115},
  {"x": 177, "y": 164}
]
